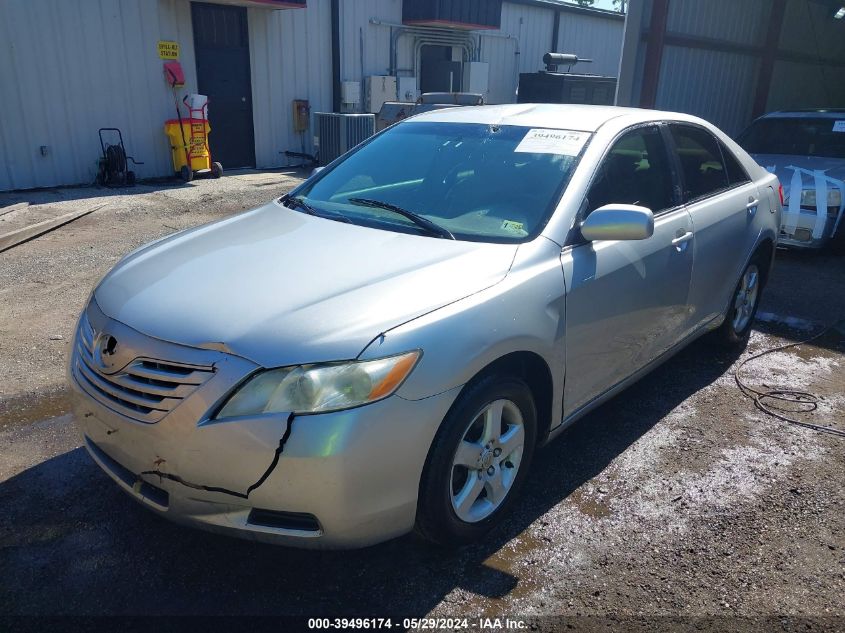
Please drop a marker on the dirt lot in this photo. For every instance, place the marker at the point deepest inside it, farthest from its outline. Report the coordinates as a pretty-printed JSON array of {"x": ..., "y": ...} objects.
[{"x": 676, "y": 498}]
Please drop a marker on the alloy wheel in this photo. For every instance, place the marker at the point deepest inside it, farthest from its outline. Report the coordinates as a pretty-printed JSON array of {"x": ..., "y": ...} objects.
[
  {"x": 746, "y": 298},
  {"x": 487, "y": 460}
]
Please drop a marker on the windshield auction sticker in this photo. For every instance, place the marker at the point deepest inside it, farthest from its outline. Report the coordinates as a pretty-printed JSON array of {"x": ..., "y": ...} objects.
[
  {"x": 839, "y": 126},
  {"x": 562, "y": 142}
]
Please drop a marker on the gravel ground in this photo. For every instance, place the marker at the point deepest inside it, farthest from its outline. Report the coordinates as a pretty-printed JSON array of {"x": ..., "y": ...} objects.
[
  {"x": 677, "y": 498},
  {"x": 44, "y": 282}
]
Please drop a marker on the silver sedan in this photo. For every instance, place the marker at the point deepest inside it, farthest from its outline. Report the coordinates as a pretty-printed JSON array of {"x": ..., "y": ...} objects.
[{"x": 385, "y": 348}]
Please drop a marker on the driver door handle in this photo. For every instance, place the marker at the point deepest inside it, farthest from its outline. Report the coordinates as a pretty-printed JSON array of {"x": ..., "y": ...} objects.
[{"x": 680, "y": 242}]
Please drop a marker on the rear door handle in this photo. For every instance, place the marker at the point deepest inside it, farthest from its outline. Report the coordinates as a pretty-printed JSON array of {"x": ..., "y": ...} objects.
[{"x": 752, "y": 205}]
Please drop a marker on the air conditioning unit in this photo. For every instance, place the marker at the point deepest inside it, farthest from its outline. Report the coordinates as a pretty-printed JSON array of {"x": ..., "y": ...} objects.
[{"x": 336, "y": 134}]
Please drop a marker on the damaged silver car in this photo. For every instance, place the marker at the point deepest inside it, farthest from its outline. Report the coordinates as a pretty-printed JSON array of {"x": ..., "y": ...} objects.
[
  {"x": 805, "y": 149},
  {"x": 385, "y": 348}
]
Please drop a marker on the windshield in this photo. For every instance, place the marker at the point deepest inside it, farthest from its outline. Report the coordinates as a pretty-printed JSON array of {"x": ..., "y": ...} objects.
[
  {"x": 795, "y": 137},
  {"x": 476, "y": 181}
]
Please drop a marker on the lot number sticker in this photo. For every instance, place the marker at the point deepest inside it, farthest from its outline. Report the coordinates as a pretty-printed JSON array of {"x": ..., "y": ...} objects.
[
  {"x": 562, "y": 142},
  {"x": 839, "y": 126}
]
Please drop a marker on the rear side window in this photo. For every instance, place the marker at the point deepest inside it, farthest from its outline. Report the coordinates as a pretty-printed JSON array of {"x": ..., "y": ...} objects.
[
  {"x": 736, "y": 173},
  {"x": 702, "y": 168},
  {"x": 635, "y": 171}
]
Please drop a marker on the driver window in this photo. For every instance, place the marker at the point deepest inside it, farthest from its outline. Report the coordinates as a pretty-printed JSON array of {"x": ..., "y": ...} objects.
[{"x": 635, "y": 171}]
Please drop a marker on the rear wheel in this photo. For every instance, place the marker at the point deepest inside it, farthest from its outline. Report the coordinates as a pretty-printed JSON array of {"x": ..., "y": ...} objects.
[
  {"x": 216, "y": 170},
  {"x": 736, "y": 329},
  {"x": 186, "y": 173},
  {"x": 837, "y": 242},
  {"x": 478, "y": 461}
]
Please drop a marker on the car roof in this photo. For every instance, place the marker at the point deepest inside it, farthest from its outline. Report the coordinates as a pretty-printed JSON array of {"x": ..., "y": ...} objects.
[
  {"x": 584, "y": 118},
  {"x": 832, "y": 113}
]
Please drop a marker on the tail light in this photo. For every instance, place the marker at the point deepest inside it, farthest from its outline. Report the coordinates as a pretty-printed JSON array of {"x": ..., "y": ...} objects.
[{"x": 780, "y": 193}]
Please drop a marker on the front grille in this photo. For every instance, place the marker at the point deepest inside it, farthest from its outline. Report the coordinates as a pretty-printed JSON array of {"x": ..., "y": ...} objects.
[{"x": 145, "y": 390}]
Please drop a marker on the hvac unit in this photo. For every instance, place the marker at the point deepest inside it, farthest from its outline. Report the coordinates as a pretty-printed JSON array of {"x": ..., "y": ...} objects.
[{"x": 336, "y": 134}]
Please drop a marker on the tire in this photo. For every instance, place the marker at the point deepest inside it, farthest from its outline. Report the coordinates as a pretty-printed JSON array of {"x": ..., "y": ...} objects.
[
  {"x": 216, "y": 170},
  {"x": 186, "y": 173},
  {"x": 444, "y": 483},
  {"x": 736, "y": 329},
  {"x": 837, "y": 242}
]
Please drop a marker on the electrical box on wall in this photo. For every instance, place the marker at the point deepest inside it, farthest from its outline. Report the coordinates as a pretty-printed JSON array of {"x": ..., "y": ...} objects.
[
  {"x": 408, "y": 92},
  {"x": 301, "y": 114},
  {"x": 350, "y": 94},
  {"x": 378, "y": 89},
  {"x": 477, "y": 78}
]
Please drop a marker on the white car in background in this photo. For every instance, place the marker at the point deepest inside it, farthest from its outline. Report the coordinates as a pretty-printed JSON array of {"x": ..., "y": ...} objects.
[{"x": 806, "y": 150}]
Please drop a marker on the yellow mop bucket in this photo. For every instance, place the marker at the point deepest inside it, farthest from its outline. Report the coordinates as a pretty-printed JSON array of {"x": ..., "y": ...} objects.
[{"x": 195, "y": 133}]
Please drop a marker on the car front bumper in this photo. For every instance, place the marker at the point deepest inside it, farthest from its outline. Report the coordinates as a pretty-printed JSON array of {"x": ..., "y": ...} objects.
[{"x": 344, "y": 479}]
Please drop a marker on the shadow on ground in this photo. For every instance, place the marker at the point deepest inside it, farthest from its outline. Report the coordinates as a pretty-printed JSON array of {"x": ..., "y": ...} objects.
[{"x": 75, "y": 544}]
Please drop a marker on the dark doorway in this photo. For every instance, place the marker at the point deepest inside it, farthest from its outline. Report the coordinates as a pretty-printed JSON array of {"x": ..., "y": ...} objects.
[
  {"x": 438, "y": 73},
  {"x": 221, "y": 45}
]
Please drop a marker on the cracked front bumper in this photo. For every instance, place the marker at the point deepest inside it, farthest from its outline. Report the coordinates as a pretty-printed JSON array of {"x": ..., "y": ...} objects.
[{"x": 355, "y": 472}]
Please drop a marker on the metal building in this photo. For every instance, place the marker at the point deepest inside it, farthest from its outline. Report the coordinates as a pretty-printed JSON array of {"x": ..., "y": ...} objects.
[
  {"x": 69, "y": 67},
  {"x": 730, "y": 61}
]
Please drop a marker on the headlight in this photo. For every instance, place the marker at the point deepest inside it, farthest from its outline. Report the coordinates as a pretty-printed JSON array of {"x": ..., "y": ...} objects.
[
  {"x": 319, "y": 388},
  {"x": 808, "y": 198}
]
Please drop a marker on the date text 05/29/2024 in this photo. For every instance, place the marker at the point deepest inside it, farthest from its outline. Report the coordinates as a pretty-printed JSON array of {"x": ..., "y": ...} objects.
[{"x": 418, "y": 624}]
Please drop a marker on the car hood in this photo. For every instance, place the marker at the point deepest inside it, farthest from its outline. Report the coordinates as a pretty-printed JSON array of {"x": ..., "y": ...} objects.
[
  {"x": 280, "y": 287},
  {"x": 782, "y": 166}
]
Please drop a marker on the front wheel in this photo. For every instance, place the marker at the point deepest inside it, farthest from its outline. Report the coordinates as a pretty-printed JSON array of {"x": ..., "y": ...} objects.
[
  {"x": 736, "y": 329},
  {"x": 478, "y": 461}
]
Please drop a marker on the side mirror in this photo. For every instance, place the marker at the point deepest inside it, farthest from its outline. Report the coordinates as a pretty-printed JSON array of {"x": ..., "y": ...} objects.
[
  {"x": 317, "y": 170},
  {"x": 618, "y": 222}
]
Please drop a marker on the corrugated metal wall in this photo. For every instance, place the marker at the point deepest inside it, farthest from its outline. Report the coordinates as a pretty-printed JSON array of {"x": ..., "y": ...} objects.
[
  {"x": 290, "y": 58},
  {"x": 693, "y": 82},
  {"x": 810, "y": 31},
  {"x": 590, "y": 37},
  {"x": 693, "y": 79},
  {"x": 355, "y": 20},
  {"x": 741, "y": 22},
  {"x": 69, "y": 67},
  {"x": 599, "y": 39},
  {"x": 532, "y": 29},
  {"x": 713, "y": 55},
  {"x": 525, "y": 36}
]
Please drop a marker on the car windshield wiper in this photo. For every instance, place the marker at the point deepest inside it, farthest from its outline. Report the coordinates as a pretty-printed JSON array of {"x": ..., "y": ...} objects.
[
  {"x": 425, "y": 223},
  {"x": 299, "y": 203}
]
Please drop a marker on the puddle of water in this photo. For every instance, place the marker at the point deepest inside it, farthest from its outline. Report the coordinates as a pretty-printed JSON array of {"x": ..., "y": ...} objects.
[
  {"x": 23, "y": 410},
  {"x": 515, "y": 560},
  {"x": 591, "y": 506},
  {"x": 789, "y": 321}
]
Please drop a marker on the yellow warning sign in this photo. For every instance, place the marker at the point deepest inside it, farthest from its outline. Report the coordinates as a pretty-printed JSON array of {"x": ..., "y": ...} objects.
[{"x": 168, "y": 50}]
